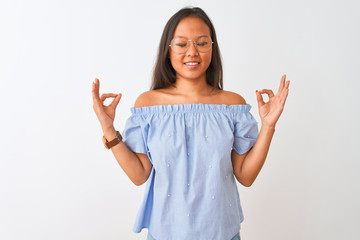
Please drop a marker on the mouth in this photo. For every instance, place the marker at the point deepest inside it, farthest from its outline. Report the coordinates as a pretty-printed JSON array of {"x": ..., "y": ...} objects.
[{"x": 192, "y": 63}]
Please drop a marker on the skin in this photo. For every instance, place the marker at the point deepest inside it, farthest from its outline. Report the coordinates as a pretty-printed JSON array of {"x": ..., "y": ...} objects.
[
  {"x": 191, "y": 87},
  {"x": 191, "y": 81}
]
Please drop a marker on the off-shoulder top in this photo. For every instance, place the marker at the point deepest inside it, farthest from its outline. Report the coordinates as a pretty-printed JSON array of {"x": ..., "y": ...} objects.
[{"x": 191, "y": 192}]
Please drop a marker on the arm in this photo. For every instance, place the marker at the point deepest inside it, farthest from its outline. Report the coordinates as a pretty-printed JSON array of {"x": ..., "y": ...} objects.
[
  {"x": 137, "y": 166},
  {"x": 247, "y": 166}
]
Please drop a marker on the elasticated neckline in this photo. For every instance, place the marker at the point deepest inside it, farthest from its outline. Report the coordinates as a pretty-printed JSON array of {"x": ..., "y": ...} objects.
[{"x": 192, "y": 107}]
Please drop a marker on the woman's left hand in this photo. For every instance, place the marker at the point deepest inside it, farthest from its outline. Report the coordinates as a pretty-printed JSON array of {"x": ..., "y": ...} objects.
[{"x": 270, "y": 111}]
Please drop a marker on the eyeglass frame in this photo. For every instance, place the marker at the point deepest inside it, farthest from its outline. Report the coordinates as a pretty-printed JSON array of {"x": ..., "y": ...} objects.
[{"x": 188, "y": 45}]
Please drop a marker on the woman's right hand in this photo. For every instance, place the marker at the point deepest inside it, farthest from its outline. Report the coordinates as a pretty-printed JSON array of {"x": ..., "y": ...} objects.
[{"x": 105, "y": 114}]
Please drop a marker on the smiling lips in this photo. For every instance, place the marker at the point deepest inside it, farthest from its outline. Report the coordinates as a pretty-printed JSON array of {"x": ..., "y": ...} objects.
[{"x": 191, "y": 65}]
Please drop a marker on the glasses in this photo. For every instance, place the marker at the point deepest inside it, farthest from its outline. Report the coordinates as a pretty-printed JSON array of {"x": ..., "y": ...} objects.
[{"x": 181, "y": 44}]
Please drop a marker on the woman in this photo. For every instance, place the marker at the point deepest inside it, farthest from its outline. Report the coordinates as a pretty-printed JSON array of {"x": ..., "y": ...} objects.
[{"x": 188, "y": 138}]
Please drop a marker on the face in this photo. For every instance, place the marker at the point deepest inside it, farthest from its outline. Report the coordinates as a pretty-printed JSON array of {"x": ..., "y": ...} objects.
[{"x": 191, "y": 65}]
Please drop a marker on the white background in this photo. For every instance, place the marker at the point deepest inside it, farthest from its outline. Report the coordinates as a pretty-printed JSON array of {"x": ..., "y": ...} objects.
[{"x": 57, "y": 181}]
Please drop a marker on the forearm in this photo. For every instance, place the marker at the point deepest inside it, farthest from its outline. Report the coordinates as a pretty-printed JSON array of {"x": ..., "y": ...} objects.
[
  {"x": 255, "y": 158},
  {"x": 128, "y": 160}
]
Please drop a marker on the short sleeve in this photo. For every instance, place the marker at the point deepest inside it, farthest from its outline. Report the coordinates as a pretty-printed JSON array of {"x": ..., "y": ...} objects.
[
  {"x": 135, "y": 134},
  {"x": 245, "y": 131}
]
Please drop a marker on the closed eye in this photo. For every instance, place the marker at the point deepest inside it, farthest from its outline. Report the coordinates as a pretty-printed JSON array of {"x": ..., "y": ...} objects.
[{"x": 202, "y": 44}]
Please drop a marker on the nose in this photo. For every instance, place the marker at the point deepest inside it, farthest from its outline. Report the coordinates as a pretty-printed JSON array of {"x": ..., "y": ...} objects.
[{"x": 192, "y": 51}]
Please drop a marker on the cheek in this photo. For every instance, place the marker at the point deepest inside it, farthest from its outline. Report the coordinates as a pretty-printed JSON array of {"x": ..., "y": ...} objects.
[
  {"x": 207, "y": 59},
  {"x": 175, "y": 60}
]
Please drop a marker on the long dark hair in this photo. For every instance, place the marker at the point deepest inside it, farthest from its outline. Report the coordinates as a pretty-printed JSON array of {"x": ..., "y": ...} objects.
[{"x": 164, "y": 74}]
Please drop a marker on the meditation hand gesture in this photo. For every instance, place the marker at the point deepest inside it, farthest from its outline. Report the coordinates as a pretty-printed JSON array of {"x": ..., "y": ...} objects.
[
  {"x": 105, "y": 114},
  {"x": 271, "y": 110}
]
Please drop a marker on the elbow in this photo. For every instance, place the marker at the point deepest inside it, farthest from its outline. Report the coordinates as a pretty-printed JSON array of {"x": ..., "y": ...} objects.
[
  {"x": 138, "y": 182},
  {"x": 246, "y": 183}
]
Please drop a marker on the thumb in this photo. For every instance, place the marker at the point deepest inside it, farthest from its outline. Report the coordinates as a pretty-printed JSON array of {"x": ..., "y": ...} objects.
[
  {"x": 116, "y": 101},
  {"x": 259, "y": 98}
]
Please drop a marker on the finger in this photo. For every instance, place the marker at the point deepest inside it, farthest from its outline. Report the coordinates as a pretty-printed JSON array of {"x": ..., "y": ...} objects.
[
  {"x": 287, "y": 84},
  {"x": 95, "y": 90},
  {"x": 282, "y": 90},
  {"x": 259, "y": 99},
  {"x": 282, "y": 83},
  {"x": 284, "y": 97},
  {"x": 116, "y": 101},
  {"x": 285, "y": 92},
  {"x": 107, "y": 95},
  {"x": 268, "y": 92}
]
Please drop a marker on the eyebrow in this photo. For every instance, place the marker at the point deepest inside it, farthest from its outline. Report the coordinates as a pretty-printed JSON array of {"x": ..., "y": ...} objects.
[{"x": 203, "y": 35}]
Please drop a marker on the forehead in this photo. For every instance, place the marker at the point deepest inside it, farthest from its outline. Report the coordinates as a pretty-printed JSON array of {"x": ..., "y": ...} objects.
[{"x": 191, "y": 27}]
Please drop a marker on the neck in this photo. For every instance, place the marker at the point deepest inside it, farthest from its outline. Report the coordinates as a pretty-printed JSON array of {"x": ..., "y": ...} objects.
[{"x": 192, "y": 88}]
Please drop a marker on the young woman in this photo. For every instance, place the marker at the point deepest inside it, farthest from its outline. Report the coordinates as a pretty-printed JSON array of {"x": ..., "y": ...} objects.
[{"x": 189, "y": 138}]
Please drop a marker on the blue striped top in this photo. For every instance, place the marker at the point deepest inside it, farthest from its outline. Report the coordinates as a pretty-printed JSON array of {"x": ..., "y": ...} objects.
[{"x": 191, "y": 192}]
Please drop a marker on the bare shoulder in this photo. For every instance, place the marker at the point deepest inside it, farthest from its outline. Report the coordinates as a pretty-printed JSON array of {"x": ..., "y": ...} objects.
[
  {"x": 232, "y": 98},
  {"x": 145, "y": 99}
]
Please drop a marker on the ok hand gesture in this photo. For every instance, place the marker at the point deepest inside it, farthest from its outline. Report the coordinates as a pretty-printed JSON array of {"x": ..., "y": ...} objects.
[
  {"x": 105, "y": 114},
  {"x": 271, "y": 110}
]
